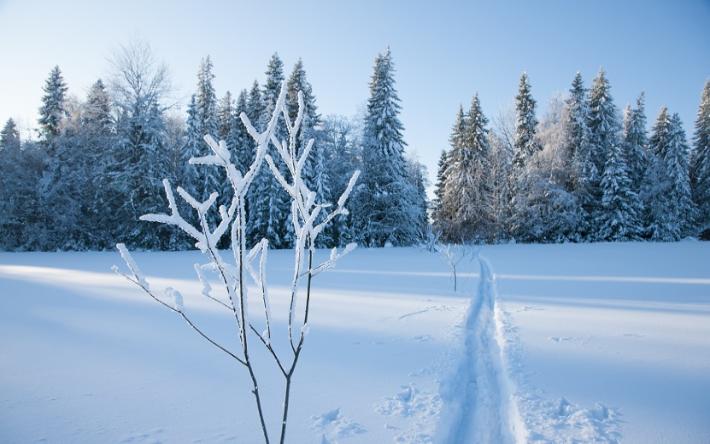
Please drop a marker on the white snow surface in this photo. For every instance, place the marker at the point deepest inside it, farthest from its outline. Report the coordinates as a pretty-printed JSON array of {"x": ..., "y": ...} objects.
[{"x": 559, "y": 343}]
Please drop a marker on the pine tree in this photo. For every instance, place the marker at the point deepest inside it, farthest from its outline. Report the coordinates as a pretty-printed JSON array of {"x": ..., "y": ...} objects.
[
  {"x": 604, "y": 129},
  {"x": 634, "y": 141},
  {"x": 238, "y": 137},
  {"x": 53, "y": 109},
  {"x": 438, "y": 213},
  {"x": 603, "y": 121},
  {"x": 700, "y": 164},
  {"x": 525, "y": 122},
  {"x": 385, "y": 211},
  {"x": 269, "y": 207},
  {"x": 578, "y": 157},
  {"x": 620, "y": 205},
  {"x": 96, "y": 115},
  {"x": 255, "y": 104},
  {"x": 10, "y": 137},
  {"x": 209, "y": 179},
  {"x": 446, "y": 213},
  {"x": 499, "y": 179},
  {"x": 525, "y": 146},
  {"x": 140, "y": 164},
  {"x": 467, "y": 189},
  {"x": 670, "y": 209},
  {"x": 12, "y": 184},
  {"x": 96, "y": 153},
  {"x": 416, "y": 172},
  {"x": 341, "y": 143},
  {"x": 316, "y": 175},
  {"x": 225, "y": 119},
  {"x": 545, "y": 210},
  {"x": 311, "y": 120},
  {"x": 193, "y": 148}
]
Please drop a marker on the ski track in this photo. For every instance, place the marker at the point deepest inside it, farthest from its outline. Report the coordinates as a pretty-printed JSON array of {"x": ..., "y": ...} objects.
[
  {"x": 479, "y": 396},
  {"x": 487, "y": 398}
]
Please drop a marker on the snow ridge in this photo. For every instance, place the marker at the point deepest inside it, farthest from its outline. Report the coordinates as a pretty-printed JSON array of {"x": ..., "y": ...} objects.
[{"x": 478, "y": 397}]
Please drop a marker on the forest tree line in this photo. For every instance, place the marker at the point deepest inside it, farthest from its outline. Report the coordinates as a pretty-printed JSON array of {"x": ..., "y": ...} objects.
[
  {"x": 583, "y": 173},
  {"x": 98, "y": 164}
]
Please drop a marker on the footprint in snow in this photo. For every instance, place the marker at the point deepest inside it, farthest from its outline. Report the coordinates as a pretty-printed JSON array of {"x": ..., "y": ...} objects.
[
  {"x": 530, "y": 308},
  {"x": 334, "y": 426},
  {"x": 561, "y": 338},
  {"x": 422, "y": 338},
  {"x": 416, "y": 412}
]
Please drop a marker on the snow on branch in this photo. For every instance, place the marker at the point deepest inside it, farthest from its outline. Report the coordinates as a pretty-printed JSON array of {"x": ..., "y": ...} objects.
[
  {"x": 308, "y": 216},
  {"x": 174, "y": 217}
]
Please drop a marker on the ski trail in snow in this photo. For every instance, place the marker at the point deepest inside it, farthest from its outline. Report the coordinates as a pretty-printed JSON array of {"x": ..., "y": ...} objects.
[{"x": 478, "y": 398}]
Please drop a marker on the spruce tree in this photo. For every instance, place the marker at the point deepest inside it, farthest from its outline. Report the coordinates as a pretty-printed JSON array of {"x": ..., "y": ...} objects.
[
  {"x": 311, "y": 120},
  {"x": 96, "y": 116},
  {"x": 269, "y": 208},
  {"x": 140, "y": 165},
  {"x": 578, "y": 157},
  {"x": 9, "y": 137},
  {"x": 225, "y": 119},
  {"x": 238, "y": 137},
  {"x": 98, "y": 141},
  {"x": 467, "y": 189},
  {"x": 525, "y": 146},
  {"x": 385, "y": 211},
  {"x": 670, "y": 208},
  {"x": 255, "y": 105},
  {"x": 700, "y": 164},
  {"x": 634, "y": 141},
  {"x": 416, "y": 172},
  {"x": 341, "y": 143},
  {"x": 604, "y": 129},
  {"x": 438, "y": 212},
  {"x": 192, "y": 148},
  {"x": 209, "y": 179},
  {"x": 525, "y": 122},
  {"x": 53, "y": 109},
  {"x": 11, "y": 187},
  {"x": 499, "y": 179},
  {"x": 620, "y": 206}
]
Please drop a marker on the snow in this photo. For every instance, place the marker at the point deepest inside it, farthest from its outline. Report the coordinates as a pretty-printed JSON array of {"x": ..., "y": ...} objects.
[{"x": 572, "y": 343}]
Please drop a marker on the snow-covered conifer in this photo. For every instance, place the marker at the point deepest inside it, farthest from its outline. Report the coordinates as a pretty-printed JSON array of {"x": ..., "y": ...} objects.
[
  {"x": 96, "y": 115},
  {"x": 669, "y": 205},
  {"x": 438, "y": 214},
  {"x": 620, "y": 215},
  {"x": 634, "y": 141},
  {"x": 225, "y": 117},
  {"x": 311, "y": 121},
  {"x": 268, "y": 208},
  {"x": 525, "y": 122},
  {"x": 341, "y": 147},
  {"x": 604, "y": 136},
  {"x": 467, "y": 189},
  {"x": 700, "y": 164},
  {"x": 385, "y": 213},
  {"x": 53, "y": 109},
  {"x": 525, "y": 146}
]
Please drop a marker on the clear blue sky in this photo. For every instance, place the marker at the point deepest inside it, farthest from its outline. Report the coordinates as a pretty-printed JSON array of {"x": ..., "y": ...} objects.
[{"x": 444, "y": 51}]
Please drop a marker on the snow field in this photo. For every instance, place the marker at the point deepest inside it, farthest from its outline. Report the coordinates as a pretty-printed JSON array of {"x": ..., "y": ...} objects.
[{"x": 560, "y": 343}]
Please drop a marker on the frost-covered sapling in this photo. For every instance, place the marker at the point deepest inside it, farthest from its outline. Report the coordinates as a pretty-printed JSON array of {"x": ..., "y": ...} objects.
[
  {"x": 308, "y": 217},
  {"x": 453, "y": 254}
]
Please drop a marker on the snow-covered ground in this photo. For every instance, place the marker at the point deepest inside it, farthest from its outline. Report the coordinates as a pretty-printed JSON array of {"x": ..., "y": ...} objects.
[{"x": 562, "y": 343}]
